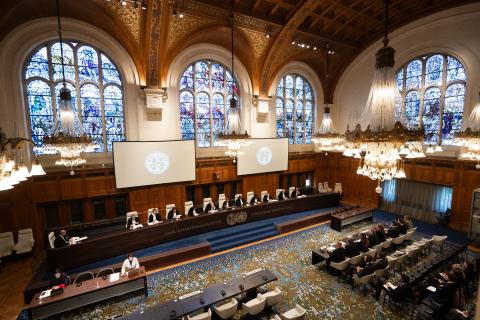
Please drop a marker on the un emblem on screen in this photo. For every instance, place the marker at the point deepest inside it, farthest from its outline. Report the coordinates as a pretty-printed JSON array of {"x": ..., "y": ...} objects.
[
  {"x": 157, "y": 162},
  {"x": 264, "y": 156}
]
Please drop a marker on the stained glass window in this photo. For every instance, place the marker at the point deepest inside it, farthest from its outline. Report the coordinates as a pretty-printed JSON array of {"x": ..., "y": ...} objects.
[
  {"x": 294, "y": 109},
  {"x": 432, "y": 88},
  {"x": 205, "y": 92},
  {"x": 95, "y": 84}
]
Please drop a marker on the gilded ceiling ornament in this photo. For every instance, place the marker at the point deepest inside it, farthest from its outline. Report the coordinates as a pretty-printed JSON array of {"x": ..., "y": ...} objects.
[
  {"x": 179, "y": 28},
  {"x": 154, "y": 44},
  {"x": 130, "y": 16},
  {"x": 257, "y": 40}
]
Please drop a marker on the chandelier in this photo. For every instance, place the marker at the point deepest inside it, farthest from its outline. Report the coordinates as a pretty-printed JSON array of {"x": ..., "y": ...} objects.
[
  {"x": 11, "y": 171},
  {"x": 326, "y": 139},
  {"x": 469, "y": 139},
  {"x": 134, "y": 3},
  {"x": 233, "y": 138},
  {"x": 67, "y": 137},
  {"x": 385, "y": 144}
]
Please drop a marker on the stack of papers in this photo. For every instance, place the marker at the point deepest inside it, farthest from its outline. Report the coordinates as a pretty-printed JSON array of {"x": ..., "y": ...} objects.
[
  {"x": 433, "y": 289},
  {"x": 114, "y": 277},
  {"x": 45, "y": 294}
]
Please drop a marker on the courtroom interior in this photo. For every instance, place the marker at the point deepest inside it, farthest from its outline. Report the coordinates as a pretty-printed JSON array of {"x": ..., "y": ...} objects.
[{"x": 239, "y": 159}]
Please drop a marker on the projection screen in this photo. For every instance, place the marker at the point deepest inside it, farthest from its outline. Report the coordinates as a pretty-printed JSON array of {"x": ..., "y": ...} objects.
[
  {"x": 264, "y": 155},
  {"x": 140, "y": 163}
]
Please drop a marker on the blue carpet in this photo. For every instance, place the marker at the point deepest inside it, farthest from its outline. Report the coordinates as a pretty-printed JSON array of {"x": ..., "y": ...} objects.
[
  {"x": 426, "y": 228},
  {"x": 220, "y": 240}
]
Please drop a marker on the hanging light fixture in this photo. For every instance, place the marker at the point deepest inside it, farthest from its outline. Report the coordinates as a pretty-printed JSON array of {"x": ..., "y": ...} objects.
[
  {"x": 384, "y": 145},
  {"x": 67, "y": 137},
  {"x": 326, "y": 138},
  {"x": 11, "y": 171},
  {"x": 469, "y": 139},
  {"x": 233, "y": 138}
]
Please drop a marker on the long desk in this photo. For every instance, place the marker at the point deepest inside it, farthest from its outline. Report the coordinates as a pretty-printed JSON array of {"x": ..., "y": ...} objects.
[
  {"x": 342, "y": 219},
  {"x": 176, "y": 309},
  {"x": 121, "y": 242},
  {"x": 91, "y": 291}
]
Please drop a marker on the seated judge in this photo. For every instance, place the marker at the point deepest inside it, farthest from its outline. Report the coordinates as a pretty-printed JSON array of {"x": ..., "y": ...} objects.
[
  {"x": 239, "y": 202},
  {"x": 129, "y": 264},
  {"x": 209, "y": 207},
  {"x": 295, "y": 193},
  {"x": 59, "y": 279},
  {"x": 173, "y": 213},
  {"x": 190, "y": 212},
  {"x": 254, "y": 200},
  {"x": 225, "y": 204},
  {"x": 351, "y": 249},
  {"x": 266, "y": 198},
  {"x": 61, "y": 239},
  {"x": 337, "y": 255},
  {"x": 281, "y": 196}
]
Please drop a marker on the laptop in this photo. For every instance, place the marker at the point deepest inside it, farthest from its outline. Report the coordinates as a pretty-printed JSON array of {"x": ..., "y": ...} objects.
[{"x": 133, "y": 273}]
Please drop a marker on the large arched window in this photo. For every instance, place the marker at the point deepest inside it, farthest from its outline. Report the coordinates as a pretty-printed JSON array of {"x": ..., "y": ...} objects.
[
  {"x": 432, "y": 88},
  {"x": 95, "y": 84},
  {"x": 205, "y": 92},
  {"x": 294, "y": 109}
]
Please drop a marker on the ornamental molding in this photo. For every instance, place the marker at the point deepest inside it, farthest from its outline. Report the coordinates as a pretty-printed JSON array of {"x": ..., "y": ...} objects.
[
  {"x": 257, "y": 40},
  {"x": 180, "y": 28},
  {"x": 154, "y": 43},
  {"x": 130, "y": 16}
]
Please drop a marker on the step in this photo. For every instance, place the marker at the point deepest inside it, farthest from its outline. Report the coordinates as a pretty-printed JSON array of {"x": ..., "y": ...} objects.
[
  {"x": 239, "y": 230},
  {"x": 240, "y": 242},
  {"x": 245, "y": 234}
]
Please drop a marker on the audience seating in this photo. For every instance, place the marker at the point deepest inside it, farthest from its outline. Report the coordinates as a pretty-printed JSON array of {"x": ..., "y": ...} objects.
[
  {"x": 387, "y": 244},
  {"x": 51, "y": 239},
  {"x": 84, "y": 276},
  {"x": 273, "y": 297},
  {"x": 105, "y": 272},
  {"x": 409, "y": 235},
  {"x": 188, "y": 207},
  {"x": 320, "y": 188},
  {"x": 338, "y": 188},
  {"x": 363, "y": 281},
  {"x": 400, "y": 261},
  {"x": 255, "y": 306},
  {"x": 202, "y": 316},
  {"x": 340, "y": 266},
  {"x": 355, "y": 260},
  {"x": 381, "y": 273},
  {"x": 276, "y": 317},
  {"x": 326, "y": 187},
  {"x": 226, "y": 309},
  {"x": 296, "y": 313},
  {"x": 412, "y": 253},
  {"x": 392, "y": 263},
  {"x": 439, "y": 241},
  {"x": 6, "y": 244},
  {"x": 25, "y": 241},
  {"x": 398, "y": 240},
  {"x": 371, "y": 252}
]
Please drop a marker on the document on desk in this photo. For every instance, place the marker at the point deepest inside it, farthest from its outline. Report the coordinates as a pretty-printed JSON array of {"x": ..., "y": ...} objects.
[
  {"x": 45, "y": 294},
  {"x": 114, "y": 277},
  {"x": 433, "y": 289}
]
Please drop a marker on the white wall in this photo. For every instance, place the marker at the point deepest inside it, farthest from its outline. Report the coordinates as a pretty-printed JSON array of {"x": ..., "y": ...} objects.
[{"x": 453, "y": 31}]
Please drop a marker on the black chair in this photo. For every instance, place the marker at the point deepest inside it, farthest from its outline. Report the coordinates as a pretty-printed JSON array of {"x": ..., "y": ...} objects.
[
  {"x": 84, "y": 277},
  {"x": 105, "y": 272}
]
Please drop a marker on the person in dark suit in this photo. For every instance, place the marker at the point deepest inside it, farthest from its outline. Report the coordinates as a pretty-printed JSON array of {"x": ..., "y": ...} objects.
[
  {"x": 445, "y": 293},
  {"x": 393, "y": 232},
  {"x": 363, "y": 244},
  {"x": 398, "y": 294},
  {"x": 372, "y": 237},
  {"x": 351, "y": 249},
  {"x": 254, "y": 200},
  {"x": 61, "y": 240},
  {"x": 266, "y": 198},
  {"x": 337, "y": 255},
  {"x": 281, "y": 196},
  {"x": 59, "y": 279},
  {"x": 157, "y": 215},
  {"x": 367, "y": 269},
  {"x": 402, "y": 227},
  {"x": 381, "y": 262},
  {"x": 225, "y": 204},
  {"x": 209, "y": 207},
  {"x": 239, "y": 202},
  {"x": 381, "y": 235},
  {"x": 173, "y": 213}
]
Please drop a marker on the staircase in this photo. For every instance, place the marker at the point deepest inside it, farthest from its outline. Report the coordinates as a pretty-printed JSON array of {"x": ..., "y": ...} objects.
[{"x": 230, "y": 239}]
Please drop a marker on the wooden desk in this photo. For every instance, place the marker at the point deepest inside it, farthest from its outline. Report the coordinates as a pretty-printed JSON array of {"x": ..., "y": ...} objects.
[
  {"x": 176, "y": 309},
  {"x": 342, "y": 219},
  {"x": 121, "y": 242},
  {"x": 89, "y": 292}
]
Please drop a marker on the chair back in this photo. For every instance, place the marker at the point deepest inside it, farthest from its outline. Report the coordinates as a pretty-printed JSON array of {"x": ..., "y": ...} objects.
[
  {"x": 84, "y": 277},
  {"x": 6, "y": 244},
  {"x": 263, "y": 194},
  {"x": 250, "y": 195},
  {"x": 387, "y": 243},
  {"x": 409, "y": 235},
  {"x": 105, "y": 272},
  {"x": 51, "y": 239},
  {"x": 290, "y": 190},
  {"x": 226, "y": 309},
  {"x": 356, "y": 260},
  {"x": 132, "y": 215},
  {"x": 371, "y": 253},
  {"x": 398, "y": 240},
  {"x": 340, "y": 266},
  {"x": 25, "y": 236},
  {"x": 237, "y": 196},
  {"x": 378, "y": 248},
  {"x": 380, "y": 273},
  {"x": 206, "y": 201},
  {"x": 273, "y": 297},
  {"x": 169, "y": 207},
  {"x": 202, "y": 316},
  {"x": 278, "y": 191},
  {"x": 326, "y": 186},
  {"x": 188, "y": 205},
  {"x": 320, "y": 188},
  {"x": 221, "y": 200},
  {"x": 366, "y": 279},
  {"x": 338, "y": 188}
]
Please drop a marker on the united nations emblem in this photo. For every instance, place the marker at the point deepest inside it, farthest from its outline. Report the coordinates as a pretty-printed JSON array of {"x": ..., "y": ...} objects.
[
  {"x": 241, "y": 217},
  {"x": 264, "y": 156},
  {"x": 157, "y": 162},
  {"x": 231, "y": 219}
]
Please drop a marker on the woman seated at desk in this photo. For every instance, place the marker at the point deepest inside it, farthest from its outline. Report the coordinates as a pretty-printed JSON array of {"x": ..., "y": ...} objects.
[{"x": 130, "y": 263}]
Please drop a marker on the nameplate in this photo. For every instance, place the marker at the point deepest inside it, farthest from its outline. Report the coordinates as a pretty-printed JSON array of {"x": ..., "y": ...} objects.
[
  {"x": 191, "y": 294},
  {"x": 253, "y": 272}
]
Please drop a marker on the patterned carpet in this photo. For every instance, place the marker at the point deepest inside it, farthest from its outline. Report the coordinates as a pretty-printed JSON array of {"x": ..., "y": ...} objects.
[{"x": 288, "y": 257}]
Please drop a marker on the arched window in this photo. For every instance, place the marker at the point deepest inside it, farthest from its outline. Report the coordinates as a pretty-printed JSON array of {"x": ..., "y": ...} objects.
[
  {"x": 294, "y": 109},
  {"x": 205, "y": 92},
  {"x": 95, "y": 84},
  {"x": 432, "y": 88}
]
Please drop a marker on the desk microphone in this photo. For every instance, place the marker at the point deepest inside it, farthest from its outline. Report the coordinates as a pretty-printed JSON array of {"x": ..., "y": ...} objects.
[
  {"x": 241, "y": 287},
  {"x": 202, "y": 301},
  {"x": 223, "y": 292}
]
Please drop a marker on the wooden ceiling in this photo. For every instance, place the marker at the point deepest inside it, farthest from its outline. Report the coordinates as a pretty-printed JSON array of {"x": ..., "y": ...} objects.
[{"x": 153, "y": 37}]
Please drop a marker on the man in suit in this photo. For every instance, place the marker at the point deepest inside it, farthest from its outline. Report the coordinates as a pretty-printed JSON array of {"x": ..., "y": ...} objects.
[
  {"x": 295, "y": 193},
  {"x": 173, "y": 213},
  {"x": 393, "y": 232},
  {"x": 382, "y": 262},
  {"x": 382, "y": 237},
  {"x": 191, "y": 211},
  {"x": 209, "y": 207},
  {"x": 61, "y": 240},
  {"x": 337, "y": 255},
  {"x": 254, "y": 200},
  {"x": 281, "y": 196},
  {"x": 351, "y": 249},
  {"x": 266, "y": 198},
  {"x": 225, "y": 204},
  {"x": 240, "y": 202},
  {"x": 372, "y": 237},
  {"x": 368, "y": 269}
]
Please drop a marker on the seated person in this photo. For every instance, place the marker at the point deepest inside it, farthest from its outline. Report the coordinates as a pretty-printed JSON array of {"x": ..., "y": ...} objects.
[
  {"x": 363, "y": 244},
  {"x": 281, "y": 196},
  {"x": 254, "y": 200},
  {"x": 60, "y": 279},
  {"x": 129, "y": 264},
  {"x": 402, "y": 227},
  {"x": 225, "y": 204},
  {"x": 240, "y": 202},
  {"x": 372, "y": 237},
  {"x": 157, "y": 215},
  {"x": 401, "y": 290},
  {"x": 173, "y": 213},
  {"x": 408, "y": 221},
  {"x": 337, "y": 255},
  {"x": 361, "y": 271},
  {"x": 209, "y": 207},
  {"x": 351, "y": 249},
  {"x": 446, "y": 292},
  {"x": 191, "y": 211},
  {"x": 381, "y": 235},
  {"x": 266, "y": 198},
  {"x": 393, "y": 232},
  {"x": 61, "y": 240},
  {"x": 381, "y": 262}
]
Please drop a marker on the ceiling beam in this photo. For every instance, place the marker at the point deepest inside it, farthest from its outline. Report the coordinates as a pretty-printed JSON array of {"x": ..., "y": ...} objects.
[{"x": 355, "y": 11}]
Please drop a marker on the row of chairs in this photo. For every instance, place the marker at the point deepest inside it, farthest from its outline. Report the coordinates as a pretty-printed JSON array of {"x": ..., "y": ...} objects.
[
  {"x": 84, "y": 276},
  {"x": 24, "y": 244},
  {"x": 324, "y": 187}
]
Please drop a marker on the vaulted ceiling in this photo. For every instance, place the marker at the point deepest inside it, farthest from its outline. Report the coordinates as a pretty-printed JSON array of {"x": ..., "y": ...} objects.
[{"x": 153, "y": 37}]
